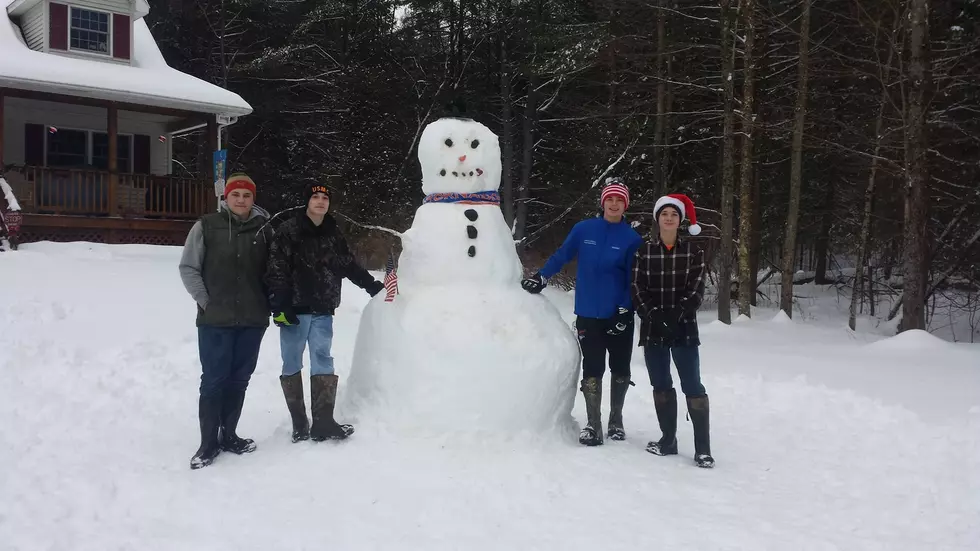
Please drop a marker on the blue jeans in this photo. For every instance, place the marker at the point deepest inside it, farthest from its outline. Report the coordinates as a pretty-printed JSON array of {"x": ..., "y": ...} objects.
[
  {"x": 228, "y": 357},
  {"x": 688, "y": 368},
  {"x": 314, "y": 329}
]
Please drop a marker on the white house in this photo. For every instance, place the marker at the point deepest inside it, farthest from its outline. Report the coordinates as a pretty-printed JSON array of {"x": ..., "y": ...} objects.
[{"x": 89, "y": 108}]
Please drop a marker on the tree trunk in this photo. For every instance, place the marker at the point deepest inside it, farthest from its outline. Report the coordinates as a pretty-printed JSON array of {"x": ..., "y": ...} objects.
[
  {"x": 796, "y": 168},
  {"x": 864, "y": 240},
  {"x": 658, "y": 131},
  {"x": 822, "y": 249},
  {"x": 530, "y": 119},
  {"x": 728, "y": 165},
  {"x": 917, "y": 179},
  {"x": 745, "y": 288},
  {"x": 506, "y": 141}
]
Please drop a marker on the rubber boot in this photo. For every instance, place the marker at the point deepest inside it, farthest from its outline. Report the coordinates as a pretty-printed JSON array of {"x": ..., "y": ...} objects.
[
  {"x": 292, "y": 390},
  {"x": 231, "y": 412},
  {"x": 323, "y": 397},
  {"x": 209, "y": 416},
  {"x": 697, "y": 407},
  {"x": 591, "y": 435},
  {"x": 666, "y": 403},
  {"x": 617, "y": 397}
]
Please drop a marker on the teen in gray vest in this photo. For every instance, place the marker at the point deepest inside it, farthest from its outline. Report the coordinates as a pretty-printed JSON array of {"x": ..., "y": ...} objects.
[{"x": 222, "y": 266}]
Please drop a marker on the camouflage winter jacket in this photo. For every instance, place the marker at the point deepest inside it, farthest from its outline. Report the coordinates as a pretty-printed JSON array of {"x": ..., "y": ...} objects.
[{"x": 307, "y": 265}]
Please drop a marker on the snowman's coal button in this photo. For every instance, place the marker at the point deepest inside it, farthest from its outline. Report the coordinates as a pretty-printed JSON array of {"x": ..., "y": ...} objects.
[
  {"x": 471, "y": 232},
  {"x": 442, "y": 172},
  {"x": 471, "y": 215},
  {"x": 471, "y": 251}
]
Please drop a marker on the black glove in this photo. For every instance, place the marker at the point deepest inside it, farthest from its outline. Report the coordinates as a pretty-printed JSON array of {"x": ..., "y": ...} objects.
[
  {"x": 664, "y": 321},
  {"x": 620, "y": 322},
  {"x": 285, "y": 318},
  {"x": 374, "y": 287},
  {"x": 533, "y": 284},
  {"x": 689, "y": 309}
]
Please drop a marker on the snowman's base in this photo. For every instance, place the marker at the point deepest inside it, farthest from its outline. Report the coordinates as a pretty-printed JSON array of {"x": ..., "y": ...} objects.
[{"x": 462, "y": 360}]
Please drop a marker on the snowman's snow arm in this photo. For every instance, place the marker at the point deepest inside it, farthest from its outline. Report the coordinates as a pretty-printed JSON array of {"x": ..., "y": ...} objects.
[{"x": 370, "y": 227}]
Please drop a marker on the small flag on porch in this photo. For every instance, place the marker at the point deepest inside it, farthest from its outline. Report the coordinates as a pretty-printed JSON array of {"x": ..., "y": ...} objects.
[
  {"x": 162, "y": 139},
  {"x": 391, "y": 279},
  {"x": 52, "y": 130}
]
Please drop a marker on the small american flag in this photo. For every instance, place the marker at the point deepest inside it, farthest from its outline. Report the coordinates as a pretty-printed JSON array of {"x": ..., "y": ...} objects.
[{"x": 391, "y": 279}]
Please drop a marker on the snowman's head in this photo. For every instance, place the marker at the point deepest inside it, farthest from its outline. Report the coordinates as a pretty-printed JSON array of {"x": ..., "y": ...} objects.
[{"x": 459, "y": 155}]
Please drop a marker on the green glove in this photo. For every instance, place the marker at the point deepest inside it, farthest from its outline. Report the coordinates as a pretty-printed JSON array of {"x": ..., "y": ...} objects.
[{"x": 285, "y": 319}]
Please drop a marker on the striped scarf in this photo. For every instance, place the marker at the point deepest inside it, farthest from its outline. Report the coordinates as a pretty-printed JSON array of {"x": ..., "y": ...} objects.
[{"x": 478, "y": 198}]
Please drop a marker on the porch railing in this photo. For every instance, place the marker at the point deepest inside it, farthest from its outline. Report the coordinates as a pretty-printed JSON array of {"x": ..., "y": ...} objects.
[{"x": 81, "y": 191}]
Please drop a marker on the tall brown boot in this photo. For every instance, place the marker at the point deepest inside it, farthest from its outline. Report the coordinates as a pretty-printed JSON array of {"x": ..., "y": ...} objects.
[
  {"x": 591, "y": 435},
  {"x": 323, "y": 391},
  {"x": 666, "y": 403},
  {"x": 617, "y": 397},
  {"x": 292, "y": 390},
  {"x": 697, "y": 407}
]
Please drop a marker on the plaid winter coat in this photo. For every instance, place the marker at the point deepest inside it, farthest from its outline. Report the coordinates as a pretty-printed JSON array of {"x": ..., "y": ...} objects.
[{"x": 668, "y": 286}]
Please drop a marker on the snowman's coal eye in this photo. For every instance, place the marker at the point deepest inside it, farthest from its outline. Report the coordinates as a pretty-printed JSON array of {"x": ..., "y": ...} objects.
[
  {"x": 475, "y": 144},
  {"x": 449, "y": 143}
]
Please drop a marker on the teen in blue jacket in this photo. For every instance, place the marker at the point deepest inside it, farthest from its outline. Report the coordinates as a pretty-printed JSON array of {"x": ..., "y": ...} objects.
[{"x": 605, "y": 248}]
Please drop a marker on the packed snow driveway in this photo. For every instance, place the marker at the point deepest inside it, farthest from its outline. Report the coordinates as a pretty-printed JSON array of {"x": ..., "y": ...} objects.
[{"x": 868, "y": 443}]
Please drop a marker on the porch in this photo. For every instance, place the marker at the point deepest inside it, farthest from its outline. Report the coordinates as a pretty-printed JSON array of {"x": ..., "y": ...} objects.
[
  {"x": 100, "y": 193},
  {"x": 84, "y": 169}
]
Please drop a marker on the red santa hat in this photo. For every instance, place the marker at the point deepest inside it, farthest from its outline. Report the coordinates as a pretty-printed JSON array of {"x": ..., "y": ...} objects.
[
  {"x": 615, "y": 187},
  {"x": 684, "y": 205}
]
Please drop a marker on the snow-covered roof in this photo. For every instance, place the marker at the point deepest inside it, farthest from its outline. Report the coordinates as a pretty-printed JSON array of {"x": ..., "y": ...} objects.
[{"x": 148, "y": 80}]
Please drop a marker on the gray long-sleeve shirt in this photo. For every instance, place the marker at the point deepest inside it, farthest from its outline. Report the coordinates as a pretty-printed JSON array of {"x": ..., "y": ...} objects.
[{"x": 191, "y": 264}]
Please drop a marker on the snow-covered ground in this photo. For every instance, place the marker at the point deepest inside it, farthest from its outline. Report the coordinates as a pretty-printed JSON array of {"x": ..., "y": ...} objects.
[{"x": 824, "y": 439}]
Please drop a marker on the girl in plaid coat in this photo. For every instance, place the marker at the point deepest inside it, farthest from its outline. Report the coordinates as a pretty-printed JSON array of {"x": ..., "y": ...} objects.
[{"x": 668, "y": 286}]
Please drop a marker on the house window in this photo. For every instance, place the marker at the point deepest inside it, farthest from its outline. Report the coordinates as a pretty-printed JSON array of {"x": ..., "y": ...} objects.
[
  {"x": 68, "y": 148},
  {"x": 100, "y": 151},
  {"x": 89, "y": 31},
  {"x": 87, "y": 149}
]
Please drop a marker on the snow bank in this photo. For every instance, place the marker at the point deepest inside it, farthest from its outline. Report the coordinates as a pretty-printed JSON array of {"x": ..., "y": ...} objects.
[
  {"x": 8, "y": 194},
  {"x": 915, "y": 340},
  {"x": 454, "y": 360},
  {"x": 149, "y": 80},
  {"x": 822, "y": 442}
]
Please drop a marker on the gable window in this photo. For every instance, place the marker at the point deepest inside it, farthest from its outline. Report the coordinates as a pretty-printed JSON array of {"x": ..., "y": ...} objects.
[{"x": 89, "y": 31}]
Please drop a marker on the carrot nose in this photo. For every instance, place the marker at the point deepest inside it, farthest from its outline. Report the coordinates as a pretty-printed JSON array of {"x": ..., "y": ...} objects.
[{"x": 463, "y": 158}]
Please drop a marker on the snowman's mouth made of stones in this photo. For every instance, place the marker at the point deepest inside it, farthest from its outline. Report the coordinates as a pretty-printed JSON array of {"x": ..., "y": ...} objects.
[{"x": 462, "y": 173}]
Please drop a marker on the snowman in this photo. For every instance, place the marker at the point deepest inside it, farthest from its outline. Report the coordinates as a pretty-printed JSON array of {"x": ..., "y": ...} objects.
[{"x": 462, "y": 349}]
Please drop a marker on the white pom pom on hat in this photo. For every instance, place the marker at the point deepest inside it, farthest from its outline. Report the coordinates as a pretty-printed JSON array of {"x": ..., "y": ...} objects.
[{"x": 682, "y": 203}]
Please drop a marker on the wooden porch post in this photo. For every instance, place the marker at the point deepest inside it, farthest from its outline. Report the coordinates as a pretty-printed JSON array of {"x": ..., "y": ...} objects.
[
  {"x": 1, "y": 131},
  {"x": 113, "y": 132},
  {"x": 212, "y": 147}
]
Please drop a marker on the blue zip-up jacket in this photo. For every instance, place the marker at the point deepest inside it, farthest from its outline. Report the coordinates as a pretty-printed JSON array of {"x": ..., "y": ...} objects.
[{"x": 605, "y": 265}]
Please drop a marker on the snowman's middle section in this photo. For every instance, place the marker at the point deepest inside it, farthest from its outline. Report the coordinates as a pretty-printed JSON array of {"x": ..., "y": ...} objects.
[{"x": 455, "y": 242}]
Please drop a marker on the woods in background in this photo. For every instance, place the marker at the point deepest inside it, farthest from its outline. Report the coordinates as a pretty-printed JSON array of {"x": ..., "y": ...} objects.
[{"x": 815, "y": 135}]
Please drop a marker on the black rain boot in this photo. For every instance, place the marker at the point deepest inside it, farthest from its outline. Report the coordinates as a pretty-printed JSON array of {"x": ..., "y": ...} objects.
[
  {"x": 292, "y": 390},
  {"x": 323, "y": 397},
  {"x": 231, "y": 412},
  {"x": 697, "y": 407},
  {"x": 209, "y": 416},
  {"x": 666, "y": 403},
  {"x": 591, "y": 435},
  {"x": 617, "y": 397}
]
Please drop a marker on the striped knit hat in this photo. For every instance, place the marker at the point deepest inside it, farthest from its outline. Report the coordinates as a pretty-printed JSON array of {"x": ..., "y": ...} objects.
[{"x": 615, "y": 187}]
